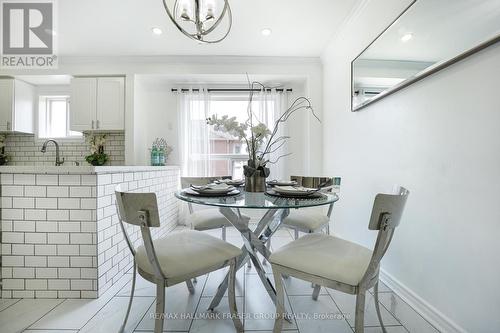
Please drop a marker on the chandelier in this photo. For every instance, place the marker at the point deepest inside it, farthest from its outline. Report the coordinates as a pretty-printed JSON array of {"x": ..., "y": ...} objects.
[{"x": 199, "y": 19}]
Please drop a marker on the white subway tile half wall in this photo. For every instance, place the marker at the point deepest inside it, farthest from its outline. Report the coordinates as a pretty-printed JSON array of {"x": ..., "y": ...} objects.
[{"x": 60, "y": 233}]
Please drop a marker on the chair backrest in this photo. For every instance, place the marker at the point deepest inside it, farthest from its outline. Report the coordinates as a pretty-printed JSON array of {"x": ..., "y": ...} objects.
[
  {"x": 188, "y": 181},
  {"x": 385, "y": 217},
  {"x": 315, "y": 182},
  {"x": 140, "y": 209}
]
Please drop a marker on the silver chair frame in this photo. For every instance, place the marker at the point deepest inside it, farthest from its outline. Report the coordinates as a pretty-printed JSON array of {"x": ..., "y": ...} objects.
[
  {"x": 141, "y": 209},
  {"x": 385, "y": 217}
]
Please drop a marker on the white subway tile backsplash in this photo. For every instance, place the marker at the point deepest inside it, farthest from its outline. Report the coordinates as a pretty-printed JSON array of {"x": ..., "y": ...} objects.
[{"x": 25, "y": 150}]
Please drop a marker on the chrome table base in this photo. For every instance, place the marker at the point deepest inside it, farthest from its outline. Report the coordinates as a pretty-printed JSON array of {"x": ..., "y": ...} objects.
[{"x": 254, "y": 243}]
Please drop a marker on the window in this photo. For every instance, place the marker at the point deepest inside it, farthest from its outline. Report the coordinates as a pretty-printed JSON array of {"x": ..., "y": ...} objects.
[
  {"x": 53, "y": 118},
  {"x": 206, "y": 152}
]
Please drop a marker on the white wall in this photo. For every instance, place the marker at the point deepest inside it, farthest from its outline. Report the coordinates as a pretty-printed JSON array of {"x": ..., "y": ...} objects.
[{"x": 440, "y": 138}]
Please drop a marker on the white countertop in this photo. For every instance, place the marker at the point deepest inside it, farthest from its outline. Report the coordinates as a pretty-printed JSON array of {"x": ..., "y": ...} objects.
[{"x": 44, "y": 169}]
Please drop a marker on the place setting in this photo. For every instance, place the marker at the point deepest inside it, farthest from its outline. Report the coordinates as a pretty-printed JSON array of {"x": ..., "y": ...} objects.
[{"x": 212, "y": 190}]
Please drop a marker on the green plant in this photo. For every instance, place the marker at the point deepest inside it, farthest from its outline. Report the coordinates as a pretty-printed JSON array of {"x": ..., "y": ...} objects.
[{"x": 97, "y": 155}]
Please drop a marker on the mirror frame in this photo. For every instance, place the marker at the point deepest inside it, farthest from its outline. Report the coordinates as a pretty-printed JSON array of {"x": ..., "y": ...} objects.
[{"x": 420, "y": 75}]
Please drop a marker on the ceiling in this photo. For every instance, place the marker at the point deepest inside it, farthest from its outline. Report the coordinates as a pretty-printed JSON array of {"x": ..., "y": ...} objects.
[{"x": 123, "y": 27}]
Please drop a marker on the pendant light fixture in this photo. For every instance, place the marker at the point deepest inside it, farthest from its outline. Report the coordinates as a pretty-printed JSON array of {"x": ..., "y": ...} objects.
[{"x": 201, "y": 20}]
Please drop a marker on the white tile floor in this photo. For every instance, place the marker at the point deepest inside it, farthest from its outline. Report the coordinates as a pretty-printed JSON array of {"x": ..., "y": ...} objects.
[{"x": 187, "y": 313}]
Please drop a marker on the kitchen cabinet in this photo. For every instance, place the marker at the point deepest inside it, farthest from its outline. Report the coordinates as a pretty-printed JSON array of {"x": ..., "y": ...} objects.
[
  {"x": 16, "y": 106},
  {"x": 97, "y": 103}
]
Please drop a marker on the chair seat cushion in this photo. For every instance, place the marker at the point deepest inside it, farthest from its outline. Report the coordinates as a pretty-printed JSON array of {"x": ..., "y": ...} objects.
[
  {"x": 306, "y": 219},
  {"x": 207, "y": 219},
  {"x": 325, "y": 256},
  {"x": 183, "y": 253}
]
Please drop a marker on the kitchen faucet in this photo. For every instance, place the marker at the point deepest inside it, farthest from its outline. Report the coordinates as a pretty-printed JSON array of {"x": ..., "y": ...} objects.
[{"x": 44, "y": 149}]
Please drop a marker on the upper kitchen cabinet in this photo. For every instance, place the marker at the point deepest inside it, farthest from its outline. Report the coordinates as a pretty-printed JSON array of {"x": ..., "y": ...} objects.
[
  {"x": 16, "y": 106},
  {"x": 97, "y": 103}
]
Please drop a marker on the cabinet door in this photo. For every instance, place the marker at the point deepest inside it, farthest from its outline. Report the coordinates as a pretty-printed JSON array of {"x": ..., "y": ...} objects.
[
  {"x": 24, "y": 101},
  {"x": 110, "y": 103},
  {"x": 6, "y": 104},
  {"x": 82, "y": 109}
]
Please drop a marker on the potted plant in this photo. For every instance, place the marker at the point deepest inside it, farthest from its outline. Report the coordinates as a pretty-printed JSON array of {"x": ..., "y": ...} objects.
[
  {"x": 97, "y": 156},
  {"x": 260, "y": 140},
  {"x": 3, "y": 157}
]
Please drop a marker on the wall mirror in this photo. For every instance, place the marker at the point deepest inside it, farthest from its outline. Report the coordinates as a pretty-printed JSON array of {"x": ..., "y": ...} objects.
[{"x": 427, "y": 37}]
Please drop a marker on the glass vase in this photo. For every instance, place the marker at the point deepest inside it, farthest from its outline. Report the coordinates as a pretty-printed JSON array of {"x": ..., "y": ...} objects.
[{"x": 255, "y": 182}]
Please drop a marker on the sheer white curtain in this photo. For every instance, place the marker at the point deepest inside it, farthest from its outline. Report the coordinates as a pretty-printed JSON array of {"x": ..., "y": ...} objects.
[
  {"x": 270, "y": 106},
  {"x": 194, "y": 141}
]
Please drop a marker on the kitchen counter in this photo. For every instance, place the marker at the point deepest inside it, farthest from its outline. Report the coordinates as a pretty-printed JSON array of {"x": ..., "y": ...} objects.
[
  {"x": 60, "y": 231},
  {"x": 44, "y": 169}
]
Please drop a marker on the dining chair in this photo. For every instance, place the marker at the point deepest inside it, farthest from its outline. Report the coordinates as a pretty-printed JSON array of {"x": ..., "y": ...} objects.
[
  {"x": 206, "y": 219},
  {"x": 313, "y": 219},
  {"x": 339, "y": 264},
  {"x": 172, "y": 259}
]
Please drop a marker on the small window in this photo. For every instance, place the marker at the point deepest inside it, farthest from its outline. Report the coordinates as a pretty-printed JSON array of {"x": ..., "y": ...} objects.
[{"x": 53, "y": 118}]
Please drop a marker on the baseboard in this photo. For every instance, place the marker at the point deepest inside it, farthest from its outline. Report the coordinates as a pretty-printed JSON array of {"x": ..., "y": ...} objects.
[{"x": 430, "y": 313}]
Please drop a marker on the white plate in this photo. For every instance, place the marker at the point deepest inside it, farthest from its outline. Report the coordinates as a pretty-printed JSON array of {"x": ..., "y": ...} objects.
[
  {"x": 297, "y": 190},
  {"x": 282, "y": 182},
  {"x": 213, "y": 189}
]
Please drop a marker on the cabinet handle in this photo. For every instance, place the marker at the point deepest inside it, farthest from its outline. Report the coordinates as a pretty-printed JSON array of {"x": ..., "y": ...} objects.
[
  {"x": 92, "y": 124},
  {"x": 97, "y": 124},
  {"x": 8, "y": 126}
]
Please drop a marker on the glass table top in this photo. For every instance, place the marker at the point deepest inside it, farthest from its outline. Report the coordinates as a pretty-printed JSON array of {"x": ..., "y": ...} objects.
[{"x": 258, "y": 200}]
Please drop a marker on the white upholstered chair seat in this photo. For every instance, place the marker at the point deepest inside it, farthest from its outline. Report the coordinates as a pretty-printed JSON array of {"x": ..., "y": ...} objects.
[
  {"x": 186, "y": 252},
  {"x": 306, "y": 219},
  {"x": 325, "y": 256},
  {"x": 207, "y": 219}
]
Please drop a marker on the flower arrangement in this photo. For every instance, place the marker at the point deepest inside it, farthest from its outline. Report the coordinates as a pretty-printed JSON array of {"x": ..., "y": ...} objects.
[
  {"x": 159, "y": 152},
  {"x": 261, "y": 141},
  {"x": 97, "y": 156},
  {"x": 3, "y": 157}
]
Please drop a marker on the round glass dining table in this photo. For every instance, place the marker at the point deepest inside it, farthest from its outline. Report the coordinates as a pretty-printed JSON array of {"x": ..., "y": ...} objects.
[{"x": 277, "y": 209}]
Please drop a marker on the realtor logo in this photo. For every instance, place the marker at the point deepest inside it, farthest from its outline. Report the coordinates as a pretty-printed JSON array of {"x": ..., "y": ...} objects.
[{"x": 28, "y": 34}]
